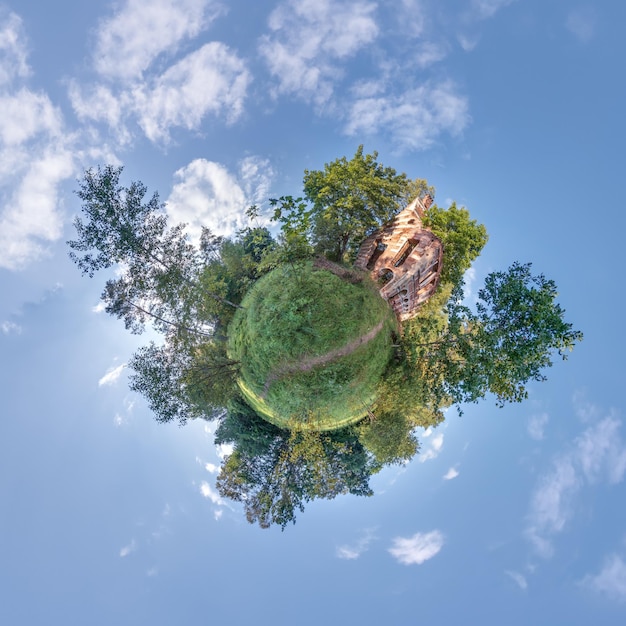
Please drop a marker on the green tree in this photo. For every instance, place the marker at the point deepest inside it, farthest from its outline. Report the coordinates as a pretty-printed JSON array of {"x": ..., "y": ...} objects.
[
  {"x": 389, "y": 437},
  {"x": 293, "y": 469},
  {"x": 342, "y": 204},
  {"x": 509, "y": 340},
  {"x": 463, "y": 239},
  {"x": 160, "y": 268}
]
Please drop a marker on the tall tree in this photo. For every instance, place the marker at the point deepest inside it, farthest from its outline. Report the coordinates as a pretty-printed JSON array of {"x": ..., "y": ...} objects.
[
  {"x": 342, "y": 204},
  {"x": 510, "y": 340},
  {"x": 160, "y": 268},
  {"x": 291, "y": 469}
]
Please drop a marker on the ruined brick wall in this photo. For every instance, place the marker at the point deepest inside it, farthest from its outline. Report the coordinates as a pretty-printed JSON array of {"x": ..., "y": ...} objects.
[{"x": 405, "y": 258}]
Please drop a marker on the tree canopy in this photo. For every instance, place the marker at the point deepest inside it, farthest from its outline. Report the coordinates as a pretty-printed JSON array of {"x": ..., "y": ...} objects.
[{"x": 343, "y": 203}]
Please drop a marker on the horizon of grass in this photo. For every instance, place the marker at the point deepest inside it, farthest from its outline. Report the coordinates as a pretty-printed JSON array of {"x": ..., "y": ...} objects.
[{"x": 296, "y": 313}]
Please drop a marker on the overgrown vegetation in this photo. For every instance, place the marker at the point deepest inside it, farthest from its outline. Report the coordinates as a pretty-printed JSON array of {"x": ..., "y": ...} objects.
[{"x": 293, "y": 352}]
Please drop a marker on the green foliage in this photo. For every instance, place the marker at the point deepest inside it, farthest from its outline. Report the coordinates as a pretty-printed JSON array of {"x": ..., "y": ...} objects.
[
  {"x": 342, "y": 204},
  {"x": 507, "y": 342},
  {"x": 293, "y": 468},
  {"x": 389, "y": 437},
  {"x": 462, "y": 237}
]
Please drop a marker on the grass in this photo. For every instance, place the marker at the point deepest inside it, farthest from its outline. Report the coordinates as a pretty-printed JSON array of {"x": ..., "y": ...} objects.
[{"x": 297, "y": 313}]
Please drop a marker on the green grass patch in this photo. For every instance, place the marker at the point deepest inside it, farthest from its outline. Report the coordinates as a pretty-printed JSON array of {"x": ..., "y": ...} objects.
[{"x": 293, "y": 315}]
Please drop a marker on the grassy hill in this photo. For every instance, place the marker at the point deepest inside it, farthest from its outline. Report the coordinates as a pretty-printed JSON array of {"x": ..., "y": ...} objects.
[{"x": 312, "y": 347}]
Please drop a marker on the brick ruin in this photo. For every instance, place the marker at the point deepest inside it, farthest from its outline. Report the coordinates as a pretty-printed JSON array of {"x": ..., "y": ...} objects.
[{"x": 405, "y": 258}]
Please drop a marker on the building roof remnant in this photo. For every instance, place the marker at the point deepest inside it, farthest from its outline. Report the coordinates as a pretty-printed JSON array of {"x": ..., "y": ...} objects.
[{"x": 405, "y": 258}]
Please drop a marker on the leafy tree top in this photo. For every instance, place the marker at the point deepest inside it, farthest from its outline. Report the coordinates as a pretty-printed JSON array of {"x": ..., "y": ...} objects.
[{"x": 343, "y": 203}]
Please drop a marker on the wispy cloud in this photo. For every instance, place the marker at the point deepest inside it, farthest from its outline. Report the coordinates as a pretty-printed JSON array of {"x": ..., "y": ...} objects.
[
  {"x": 536, "y": 426},
  {"x": 451, "y": 473},
  {"x": 610, "y": 580},
  {"x": 414, "y": 118},
  {"x": 310, "y": 38},
  {"x": 129, "y": 41},
  {"x": 433, "y": 446},
  {"x": 209, "y": 80},
  {"x": 126, "y": 550},
  {"x": 581, "y": 22},
  {"x": 484, "y": 9},
  {"x": 141, "y": 77},
  {"x": 355, "y": 550},
  {"x": 208, "y": 492},
  {"x": 35, "y": 155},
  {"x": 519, "y": 579},
  {"x": 212, "y": 80},
  {"x": 597, "y": 455},
  {"x": 112, "y": 375},
  {"x": 10, "y": 328},
  {"x": 224, "y": 449},
  {"x": 13, "y": 48},
  {"x": 417, "y": 549}
]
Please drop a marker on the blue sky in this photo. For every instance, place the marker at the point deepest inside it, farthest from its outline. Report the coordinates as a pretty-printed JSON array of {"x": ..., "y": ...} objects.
[{"x": 513, "y": 108}]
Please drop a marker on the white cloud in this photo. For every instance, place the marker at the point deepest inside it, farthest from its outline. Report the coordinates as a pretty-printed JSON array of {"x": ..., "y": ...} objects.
[
  {"x": 112, "y": 375},
  {"x": 602, "y": 453},
  {"x": 484, "y": 9},
  {"x": 433, "y": 449},
  {"x": 414, "y": 118},
  {"x": 126, "y": 550},
  {"x": 208, "y": 492},
  {"x": 8, "y": 328},
  {"x": 13, "y": 48},
  {"x": 35, "y": 156},
  {"x": 611, "y": 580},
  {"x": 210, "y": 80},
  {"x": 309, "y": 40},
  {"x": 412, "y": 18},
  {"x": 224, "y": 449},
  {"x": 99, "y": 103},
  {"x": 581, "y": 22},
  {"x": 207, "y": 194},
  {"x": 354, "y": 551},
  {"x": 451, "y": 473},
  {"x": 99, "y": 307},
  {"x": 26, "y": 114},
  {"x": 130, "y": 41},
  {"x": 33, "y": 215},
  {"x": 551, "y": 504},
  {"x": 429, "y": 52},
  {"x": 255, "y": 177},
  {"x": 211, "y": 468},
  {"x": 536, "y": 426},
  {"x": 518, "y": 578},
  {"x": 418, "y": 548},
  {"x": 597, "y": 455}
]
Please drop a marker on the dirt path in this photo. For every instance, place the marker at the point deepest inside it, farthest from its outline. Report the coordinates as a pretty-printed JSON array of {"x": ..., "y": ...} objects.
[{"x": 309, "y": 363}]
